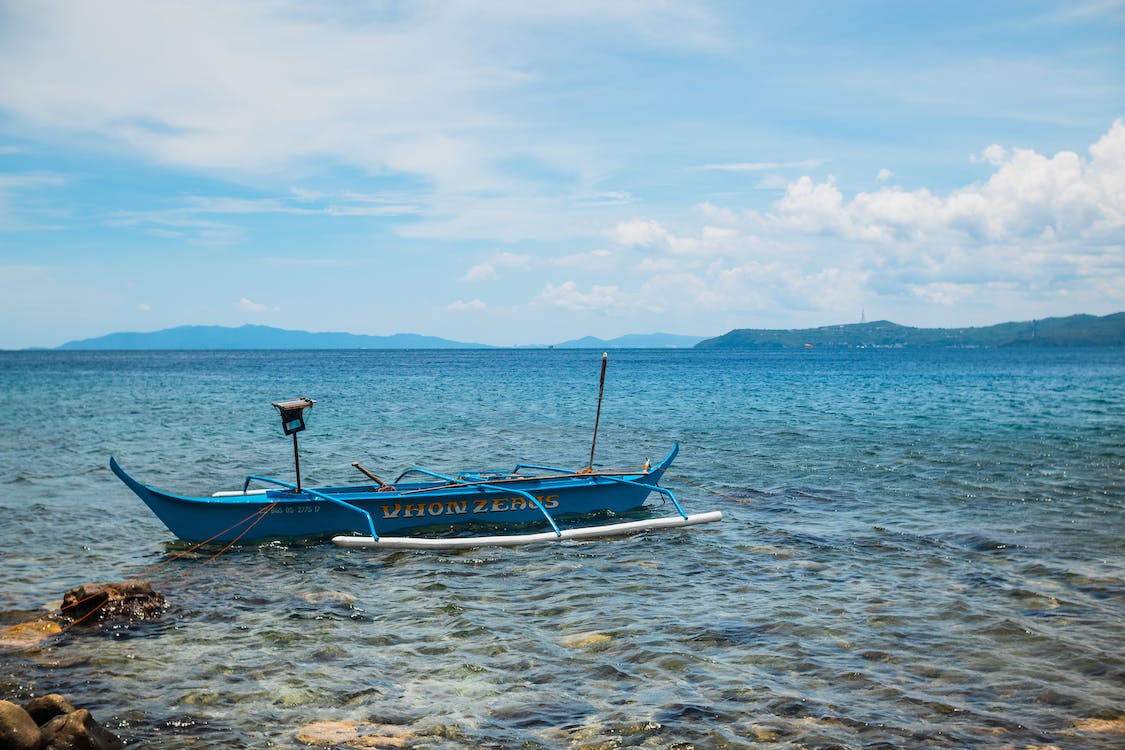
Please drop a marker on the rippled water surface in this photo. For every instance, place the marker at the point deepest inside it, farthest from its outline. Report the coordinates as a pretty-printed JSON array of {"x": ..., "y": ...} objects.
[{"x": 919, "y": 548}]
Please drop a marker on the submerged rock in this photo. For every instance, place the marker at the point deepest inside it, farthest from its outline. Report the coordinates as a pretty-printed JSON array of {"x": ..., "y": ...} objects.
[
  {"x": 87, "y": 604},
  {"x": 29, "y": 633},
  {"x": 51, "y": 723},
  {"x": 594, "y": 641},
  {"x": 46, "y": 707},
  {"x": 128, "y": 600},
  {"x": 354, "y": 734},
  {"x": 1106, "y": 726},
  {"x": 77, "y": 730},
  {"x": 18, "y": 731}
]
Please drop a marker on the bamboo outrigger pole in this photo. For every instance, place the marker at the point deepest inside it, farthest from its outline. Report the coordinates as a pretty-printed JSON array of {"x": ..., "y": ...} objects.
[{"x": 598, "y": 416}]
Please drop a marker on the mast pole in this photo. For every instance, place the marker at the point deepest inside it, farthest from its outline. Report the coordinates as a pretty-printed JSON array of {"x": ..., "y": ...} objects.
[{"x": 598, "y": 415}]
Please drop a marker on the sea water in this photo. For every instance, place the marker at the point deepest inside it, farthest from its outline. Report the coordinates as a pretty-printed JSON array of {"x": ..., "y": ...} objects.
[{"x": 920, "y": 548}]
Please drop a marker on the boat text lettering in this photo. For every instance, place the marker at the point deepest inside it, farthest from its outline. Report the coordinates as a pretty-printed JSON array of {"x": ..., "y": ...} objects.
[
  {"x": 290, "y": 509},
  {"x": 461, "y": 507}
]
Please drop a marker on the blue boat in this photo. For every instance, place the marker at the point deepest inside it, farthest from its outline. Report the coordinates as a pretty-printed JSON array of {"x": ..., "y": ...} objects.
[{"x": 371, "y": 515}]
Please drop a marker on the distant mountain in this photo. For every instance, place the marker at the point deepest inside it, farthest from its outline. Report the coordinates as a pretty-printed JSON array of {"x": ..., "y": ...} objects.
[
  {"x": 260, "y": 337},
  {"x": 1076, "y": 330},
  {"x": 634, "y": 341}
]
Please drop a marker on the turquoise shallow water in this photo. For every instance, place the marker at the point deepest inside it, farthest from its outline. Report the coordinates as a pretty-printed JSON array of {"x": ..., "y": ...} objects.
[{"x": 921, "y": 548}]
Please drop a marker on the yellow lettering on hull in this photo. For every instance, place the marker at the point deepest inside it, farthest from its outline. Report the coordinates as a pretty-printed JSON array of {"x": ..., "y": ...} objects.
[{"x": 461, "y": 507}]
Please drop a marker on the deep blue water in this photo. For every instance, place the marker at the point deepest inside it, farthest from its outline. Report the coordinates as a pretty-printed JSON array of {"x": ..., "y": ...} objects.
[{"x": 920, "y": 548}]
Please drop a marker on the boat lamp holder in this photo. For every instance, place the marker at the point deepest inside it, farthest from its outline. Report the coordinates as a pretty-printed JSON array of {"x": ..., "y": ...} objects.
[
  {"x": 293, "y": 413},
  {"x": 292, "y": 422}
]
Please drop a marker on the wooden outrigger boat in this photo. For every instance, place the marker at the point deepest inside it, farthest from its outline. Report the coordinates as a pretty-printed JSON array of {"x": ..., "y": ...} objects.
[{"x": 368, "y": 515}]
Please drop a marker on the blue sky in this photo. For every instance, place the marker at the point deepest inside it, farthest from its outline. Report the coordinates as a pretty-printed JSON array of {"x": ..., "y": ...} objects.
[{"x": 508, "y": 173}]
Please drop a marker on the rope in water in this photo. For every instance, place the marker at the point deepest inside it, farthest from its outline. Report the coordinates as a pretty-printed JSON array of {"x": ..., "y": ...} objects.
[
  {"x": 257, "y": 517},
  {"x": 252, "y": 520}
]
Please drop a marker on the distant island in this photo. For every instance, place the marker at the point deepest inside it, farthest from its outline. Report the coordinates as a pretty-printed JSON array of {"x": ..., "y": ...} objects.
[
  {"x": 266, "y": 337},
  {"x": 260, "y": 337},
  {"x": 634, "y": 341},
  {"x": 1075, "y": 330}
]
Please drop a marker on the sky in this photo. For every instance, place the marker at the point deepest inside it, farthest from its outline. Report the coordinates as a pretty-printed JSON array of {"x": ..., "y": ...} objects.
[{"x": 512, "y": 173}]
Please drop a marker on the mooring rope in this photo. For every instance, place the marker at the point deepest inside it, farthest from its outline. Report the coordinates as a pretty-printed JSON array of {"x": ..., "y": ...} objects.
[
  {"x": 253, "y": 520},
  {"x": 256, "y": 517}
]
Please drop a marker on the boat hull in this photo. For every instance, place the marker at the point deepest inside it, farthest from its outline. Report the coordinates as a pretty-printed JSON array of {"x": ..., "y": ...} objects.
[{"x": 333, "y": 511}]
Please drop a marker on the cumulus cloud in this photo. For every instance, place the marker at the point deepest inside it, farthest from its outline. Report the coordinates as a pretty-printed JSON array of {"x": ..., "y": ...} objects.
[
  {"x": 1039, "y": 225},
  {"x": 1029, "y": 196},
  {"x": 647, "y": 234}
]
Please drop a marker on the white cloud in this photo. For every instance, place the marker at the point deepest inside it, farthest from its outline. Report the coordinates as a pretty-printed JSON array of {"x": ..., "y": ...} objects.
[
  {"x": 755, "y": 286},
  {"x": 180, "y": 225},
  {"x": 248, "y": 305},
  {"x": 29, "y": 181},
  {"x": 646, "y": 234},
  {"x": 662, "y": 265},
  {"x": 811, "y": 207},
  {"x": 474, "y": 305},
  {"x": 943, "y": 292},
  {"x": 608, "y": 198},
  {"x": 884, "y": 175},
  {"x": 640, "y": 233},
  {"x": 310, "y": 262},
  {"x": 764, "y": 166},
  {"x": 718, "y": 215},
  {"x": 994, "y": 155},
  {"x": 599, "y": 259},
  {"x": 1040, "y": 227},
  {"x": 262, "y": 87},
  {"x": 567, "y": 295},
  {"x": 1028, "y": 197},
  {"x": 480, "y": 272},
  {"x": 487, "y": 271},
  {"x": 144, "y": 307}
]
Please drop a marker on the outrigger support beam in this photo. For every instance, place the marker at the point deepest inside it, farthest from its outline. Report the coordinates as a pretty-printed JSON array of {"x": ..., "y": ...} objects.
[
  {"x": 654, "y": 488},
  {"x": 315, "y": 493}
]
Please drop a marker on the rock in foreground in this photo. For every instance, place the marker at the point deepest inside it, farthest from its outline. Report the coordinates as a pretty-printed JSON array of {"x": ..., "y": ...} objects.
[
  {"x": 51, "y": 723},
  {"x": 128, "y": 600}
]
